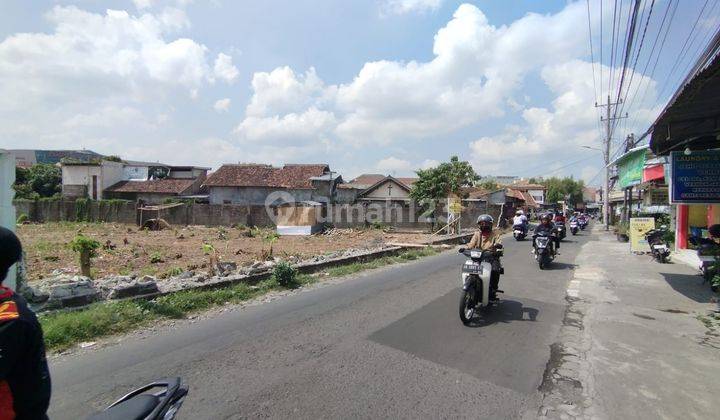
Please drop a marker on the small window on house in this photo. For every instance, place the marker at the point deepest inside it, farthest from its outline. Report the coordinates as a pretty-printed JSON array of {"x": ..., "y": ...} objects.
[{"x": 227, "y": 202}]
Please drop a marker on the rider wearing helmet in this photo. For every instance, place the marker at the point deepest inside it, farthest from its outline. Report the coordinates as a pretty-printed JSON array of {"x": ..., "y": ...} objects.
[
  {"x": 546, "y": 226},
  {"x": 24, "y": 375},
  {"x": 520, "y": 220},
  {"x": 488, "y": 240}
]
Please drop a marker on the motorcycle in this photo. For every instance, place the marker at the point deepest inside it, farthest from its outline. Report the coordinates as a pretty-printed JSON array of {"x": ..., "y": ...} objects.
[
  {"x": 659, "y": 248},
  {"x": 707, "y": 250},
  {"x": 583, "y": 222},
  {"x": 519, "y": 232},
  {"x": 561, "y": 229},
  {"x": 476, "y": 273},
  {"x": 140, "y": 404},
  {"x": 574, "y": 227},
  {"x": 543, "y": 249}
]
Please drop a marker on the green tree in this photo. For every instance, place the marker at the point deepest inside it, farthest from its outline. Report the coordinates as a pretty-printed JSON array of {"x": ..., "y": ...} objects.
[
  {"x": 564, "y": 189},
  {"x": 40, "y": 180},
  {"x": 447, "y": 178},
  {"x": 489, "y": 185}
]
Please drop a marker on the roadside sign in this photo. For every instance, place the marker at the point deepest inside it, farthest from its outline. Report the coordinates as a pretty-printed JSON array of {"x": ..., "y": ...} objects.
[
  {"x": 639, "y": 226},
  {"x": 695, "y": 178}
]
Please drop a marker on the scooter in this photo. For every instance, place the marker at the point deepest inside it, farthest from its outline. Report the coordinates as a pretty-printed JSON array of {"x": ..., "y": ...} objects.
[
  {"x": 519, "y": 232},
  {"x": 543, "y": 249},
  {"x": 141, "y": 404},
  {"x": 561, "y": 229},
  {"x": 583, "y": 222},
  {"x": 707, "y": 251},
  {"x": 659, "y": 248},
  {"x": 574, "y": 227},
  {"x": 476, "y": 273}
]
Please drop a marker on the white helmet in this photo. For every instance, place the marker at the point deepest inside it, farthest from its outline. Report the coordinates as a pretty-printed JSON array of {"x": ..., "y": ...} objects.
[{"x": 519, "y": 212}]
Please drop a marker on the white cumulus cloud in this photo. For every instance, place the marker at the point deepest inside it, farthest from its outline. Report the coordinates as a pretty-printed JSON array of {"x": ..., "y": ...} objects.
[
  {"x": 394, "y": 166},
  {"x": 222, "y": 105},
  {"x": 400, "y": 7},
  {"x": 224, "y": 68}
]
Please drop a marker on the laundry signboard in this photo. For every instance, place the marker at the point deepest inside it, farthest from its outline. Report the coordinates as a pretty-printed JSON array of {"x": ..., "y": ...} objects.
[{"x": 695, "y": 177}]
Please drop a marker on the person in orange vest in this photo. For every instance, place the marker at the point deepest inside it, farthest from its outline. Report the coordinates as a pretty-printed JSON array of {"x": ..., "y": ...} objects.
[{"x": 24, "y": 374}]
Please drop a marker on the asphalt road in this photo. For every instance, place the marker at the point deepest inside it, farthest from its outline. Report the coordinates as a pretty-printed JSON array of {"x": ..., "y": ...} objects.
[{"x": 384, "y": 344}]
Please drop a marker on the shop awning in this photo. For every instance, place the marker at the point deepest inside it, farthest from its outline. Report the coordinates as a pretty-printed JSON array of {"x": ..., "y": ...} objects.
[
  {"x": 653, "y": 173},
  {"x": 692, "y": 116}
]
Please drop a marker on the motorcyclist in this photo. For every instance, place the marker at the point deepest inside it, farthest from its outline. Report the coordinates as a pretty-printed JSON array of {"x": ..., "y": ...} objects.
[
  {"x": 488, "y": 240},
  {"x": 520, "y": 220},
  {"x": 547, "y": 227},
  {"x": 24, "y": 375},
  {"x": 559, "y": 216}
]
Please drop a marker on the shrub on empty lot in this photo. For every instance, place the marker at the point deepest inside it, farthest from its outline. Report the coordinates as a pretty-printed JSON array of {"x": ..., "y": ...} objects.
[
  {"x": 285, "y": 275},
  {"x": 87, "y": 248}
]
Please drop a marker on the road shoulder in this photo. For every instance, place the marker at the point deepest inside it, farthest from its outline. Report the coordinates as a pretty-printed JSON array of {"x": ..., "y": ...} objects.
[{"x": 632, "y": 344}]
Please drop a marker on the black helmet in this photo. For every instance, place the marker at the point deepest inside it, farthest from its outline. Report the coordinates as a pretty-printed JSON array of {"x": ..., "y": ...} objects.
[
  {"x": 545, "y": 217},
  {"x": 10, "y": 251},
  {"x": 485, "y": 221}
]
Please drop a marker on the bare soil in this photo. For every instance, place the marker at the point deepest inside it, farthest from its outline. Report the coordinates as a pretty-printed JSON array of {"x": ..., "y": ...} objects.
[{"x": 129, "y": 250}]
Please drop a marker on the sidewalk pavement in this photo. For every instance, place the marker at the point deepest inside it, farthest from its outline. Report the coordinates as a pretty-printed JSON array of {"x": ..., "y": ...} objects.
[{"x": 639, "y": 340}]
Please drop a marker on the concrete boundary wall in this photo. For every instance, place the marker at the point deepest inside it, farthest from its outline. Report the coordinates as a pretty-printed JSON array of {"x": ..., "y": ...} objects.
[{"x": 395, "y": 214}]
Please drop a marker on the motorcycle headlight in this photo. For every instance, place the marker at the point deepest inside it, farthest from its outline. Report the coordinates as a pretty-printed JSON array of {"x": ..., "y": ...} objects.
[{"x": 475, "y": 254}]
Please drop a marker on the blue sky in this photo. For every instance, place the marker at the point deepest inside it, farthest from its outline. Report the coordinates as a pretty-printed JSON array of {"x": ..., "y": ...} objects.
[{"x": 367, "y": 86}]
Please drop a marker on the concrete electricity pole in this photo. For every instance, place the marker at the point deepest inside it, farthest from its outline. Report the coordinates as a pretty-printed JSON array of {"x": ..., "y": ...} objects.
[{"x": 606, "y": 154}]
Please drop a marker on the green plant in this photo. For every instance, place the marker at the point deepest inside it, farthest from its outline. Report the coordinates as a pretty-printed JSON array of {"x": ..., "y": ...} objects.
[
  {"x": 156, "y": 258},
  {"x": 22, "y": 218},
  {"x": 87, "y": 249},
  {"x": 173, "y": 272},
  {"x": 82, "y": 209},
  {"x": 270, "y": 238},
  {"x": 285, "y": 275}
]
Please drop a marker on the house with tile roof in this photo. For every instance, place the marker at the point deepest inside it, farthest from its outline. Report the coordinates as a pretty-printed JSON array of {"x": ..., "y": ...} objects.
[
  {"x": 374, "y": 187},
  {"x": 252, "y": 184}
]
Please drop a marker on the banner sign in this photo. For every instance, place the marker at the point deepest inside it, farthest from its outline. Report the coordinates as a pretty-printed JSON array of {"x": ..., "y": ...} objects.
[
  {"x": 639, "y": 226},
  {"x": 695, "y": 178},
  {"x": 630, "y": 169}
]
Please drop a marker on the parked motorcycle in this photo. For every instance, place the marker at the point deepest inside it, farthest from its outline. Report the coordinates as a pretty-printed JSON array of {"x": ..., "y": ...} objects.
[
  {"x": 141, "y": 404},
  {"x": 659, "y": 247},
  {"x": 476, "y": 273},
  {"x": 707, "y": 251},
  {"x": 519, "y": 232},
  {"x": 561, "y": 229},
  {"x": 574, "y": 227},
  {"x": 543, "y": 249}
]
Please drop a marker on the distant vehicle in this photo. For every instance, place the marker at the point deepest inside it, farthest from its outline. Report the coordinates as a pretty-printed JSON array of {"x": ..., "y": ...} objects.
[
  {"x": 561, "y": 229},
  {"x": 574, "y": 226},
  {"x": 519, "y": 232},
  {"x": 141, "y": 404}
]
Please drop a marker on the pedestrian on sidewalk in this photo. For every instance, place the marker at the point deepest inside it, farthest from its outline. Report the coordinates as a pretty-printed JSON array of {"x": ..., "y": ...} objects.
[{"x": 24, "y": 374}]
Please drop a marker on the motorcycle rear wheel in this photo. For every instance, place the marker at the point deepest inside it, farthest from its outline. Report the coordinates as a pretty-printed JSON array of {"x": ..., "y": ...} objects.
[{"x": 467, "y": 305}]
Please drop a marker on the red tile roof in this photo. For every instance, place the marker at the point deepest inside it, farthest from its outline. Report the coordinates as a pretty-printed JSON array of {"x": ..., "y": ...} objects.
[
  {"x": 251, "y": 175},
  {"x": 162, "y": 186}
]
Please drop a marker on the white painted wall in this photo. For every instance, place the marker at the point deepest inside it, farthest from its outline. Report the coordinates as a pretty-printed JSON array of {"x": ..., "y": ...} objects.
[
  {"x": 538, "y": 195},
  {"x": 7, "y": 210},
  {"x": 382, "y": 192},
  {"x": 108, "y": 173}
]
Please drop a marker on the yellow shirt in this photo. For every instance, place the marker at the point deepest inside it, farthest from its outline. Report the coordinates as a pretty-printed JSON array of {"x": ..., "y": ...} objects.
[{"x": 484, "y": 242}]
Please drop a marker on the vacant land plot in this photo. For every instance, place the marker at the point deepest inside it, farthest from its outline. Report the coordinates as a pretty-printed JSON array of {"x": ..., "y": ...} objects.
[{"x": 128, "y": 250}]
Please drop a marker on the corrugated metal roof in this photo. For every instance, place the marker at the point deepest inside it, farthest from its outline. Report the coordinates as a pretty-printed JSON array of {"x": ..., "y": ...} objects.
[{"x": 161, "y": 186}]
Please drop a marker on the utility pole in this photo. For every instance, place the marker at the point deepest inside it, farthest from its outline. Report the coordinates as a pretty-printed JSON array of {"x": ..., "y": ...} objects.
[{"x": 606, "y": 153}]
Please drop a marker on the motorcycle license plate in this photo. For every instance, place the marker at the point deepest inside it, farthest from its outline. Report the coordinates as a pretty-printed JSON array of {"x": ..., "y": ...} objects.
[{"x": 473, "y": 268}]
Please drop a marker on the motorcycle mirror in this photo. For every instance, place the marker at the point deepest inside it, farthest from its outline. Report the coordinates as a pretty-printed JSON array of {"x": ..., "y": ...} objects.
[{"x": 461, "y": 250}]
